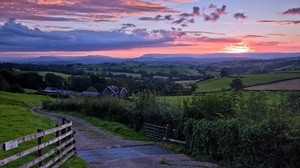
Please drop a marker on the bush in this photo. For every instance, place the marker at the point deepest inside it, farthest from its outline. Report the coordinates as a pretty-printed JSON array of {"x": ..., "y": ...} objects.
[{"x": 234, "y": 144}]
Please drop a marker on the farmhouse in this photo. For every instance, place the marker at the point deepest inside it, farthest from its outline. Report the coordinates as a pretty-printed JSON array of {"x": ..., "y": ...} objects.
[{"x": 114, "y": 91}]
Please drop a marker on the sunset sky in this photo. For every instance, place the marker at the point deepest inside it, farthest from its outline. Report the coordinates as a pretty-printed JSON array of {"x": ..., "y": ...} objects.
[{"x": 131, "y": 28}]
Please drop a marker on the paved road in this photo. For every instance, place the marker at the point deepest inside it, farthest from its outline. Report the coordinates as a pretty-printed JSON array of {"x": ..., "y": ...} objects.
[{"x": 103, "y": 149}]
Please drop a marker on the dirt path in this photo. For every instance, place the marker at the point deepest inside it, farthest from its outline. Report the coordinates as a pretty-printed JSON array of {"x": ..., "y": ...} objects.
[{"x": 103, "y": 149}]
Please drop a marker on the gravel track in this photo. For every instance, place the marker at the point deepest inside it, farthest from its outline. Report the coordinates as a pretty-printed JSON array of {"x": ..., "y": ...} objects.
[{"x": 114, "y": 151}]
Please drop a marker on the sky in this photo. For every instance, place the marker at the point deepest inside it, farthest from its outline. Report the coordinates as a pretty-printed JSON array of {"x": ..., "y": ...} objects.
[{"x": 132, "y": 28}]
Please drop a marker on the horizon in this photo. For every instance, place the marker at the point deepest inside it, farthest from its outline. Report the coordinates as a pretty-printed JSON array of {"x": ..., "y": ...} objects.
[{"x": 131, "y": 29}]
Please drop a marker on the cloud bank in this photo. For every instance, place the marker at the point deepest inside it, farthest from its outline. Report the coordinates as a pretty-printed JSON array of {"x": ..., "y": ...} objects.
[{"x": 17, "y": 37}]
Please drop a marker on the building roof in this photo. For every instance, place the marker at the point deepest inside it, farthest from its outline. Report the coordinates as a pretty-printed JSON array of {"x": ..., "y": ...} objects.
[{"x": 86, "y": 93}]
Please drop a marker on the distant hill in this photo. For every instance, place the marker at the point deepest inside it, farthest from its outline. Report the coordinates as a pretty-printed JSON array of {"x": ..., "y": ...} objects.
[
  {"x": 224, "y": 55},
  {"x": 191, "y": 58}
]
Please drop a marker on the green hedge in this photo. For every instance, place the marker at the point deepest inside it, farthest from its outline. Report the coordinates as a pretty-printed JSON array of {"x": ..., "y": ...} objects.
[{"x": 235, "y": 144}]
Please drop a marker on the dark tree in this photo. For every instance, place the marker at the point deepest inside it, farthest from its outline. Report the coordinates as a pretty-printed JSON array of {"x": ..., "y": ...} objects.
[
  {"x": 224, "y": 72},
  {"x": 237, "y": 84},
  {"x": 53, "y": 80},
  {"x": 3, "y": 84},
  {"x": 80, "y": 83},
  {"x": 16, "y": 88},
  {"x": 9, "y": 76},
  {"x": 31, "y": 80}
]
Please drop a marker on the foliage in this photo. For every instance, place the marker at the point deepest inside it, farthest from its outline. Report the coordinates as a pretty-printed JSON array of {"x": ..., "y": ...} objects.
[
  {"x": 235, "y": 129},
  {"x": 31, "y": 80},
  {"x": 237, "y": 84},
  {"x": 224, "y": 72},
  {"x": 257, "y": 133},
  {"x": 210, "y": 106},
  {"x": 52, "y": 80}
]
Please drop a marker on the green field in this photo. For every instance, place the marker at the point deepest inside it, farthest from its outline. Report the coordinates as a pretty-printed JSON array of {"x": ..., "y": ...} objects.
[
  {"x": 18, "y": 120},
  {"x": 217, "y": 84},
  {"x": 43, "y": 73}
]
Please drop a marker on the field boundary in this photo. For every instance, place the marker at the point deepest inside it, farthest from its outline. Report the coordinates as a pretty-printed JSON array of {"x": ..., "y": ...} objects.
[
  {"x": 161, "y": 133},
  {"x": 64, "y": 146},
  {"x": 273, "y": 82}
]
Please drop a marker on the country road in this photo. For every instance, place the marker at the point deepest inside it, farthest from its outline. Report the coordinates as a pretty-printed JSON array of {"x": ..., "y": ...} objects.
[{"x": 103, "y": 149}]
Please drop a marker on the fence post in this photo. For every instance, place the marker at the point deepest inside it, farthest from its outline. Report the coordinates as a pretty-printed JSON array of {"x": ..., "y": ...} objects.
[
  {"x": 57, "y": 134},
  {"x": 40, "y": 152},
  {"x": 166, "y": 130}
]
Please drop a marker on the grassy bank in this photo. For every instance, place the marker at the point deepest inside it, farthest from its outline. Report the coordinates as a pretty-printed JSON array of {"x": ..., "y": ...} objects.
[{"x": 18, "y": 120}]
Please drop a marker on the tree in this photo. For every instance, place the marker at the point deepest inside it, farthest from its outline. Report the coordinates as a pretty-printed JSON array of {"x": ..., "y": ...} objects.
[
  {"x": 224, "y": 72},
  {"x": 3, "y": 84},
  {"x": 237, "y": 84},
  {"x": 31, "y": 80},
  {"x": 53, "y": 80},
  {"x": 9, "y": 76}
]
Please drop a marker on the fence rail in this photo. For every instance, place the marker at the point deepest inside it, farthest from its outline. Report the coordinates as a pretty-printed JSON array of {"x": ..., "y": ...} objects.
[
  {"x": 160, "y": 133},
  {"x": 64, "y": 149}
]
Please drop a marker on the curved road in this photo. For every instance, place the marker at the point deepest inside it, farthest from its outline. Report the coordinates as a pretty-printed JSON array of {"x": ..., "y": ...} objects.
[{"x": 103, "y": 149}]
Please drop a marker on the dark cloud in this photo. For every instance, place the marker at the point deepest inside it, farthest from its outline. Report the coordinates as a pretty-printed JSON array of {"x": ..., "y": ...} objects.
[
  {"x": 179, "y": 21},
  {"x": 17, "y": 37},
  {"x": 280, "y": 22},
  {"x": 191, "y": 20},
  {"x": 157, "y": 18},
  {"x": 168, "y": 17},
  {"x": 128, "y": 25},
  {"x": 83, "y": 10},
  {"x": 212, "y": 6},
  {"x": 184, "y": 25},
  {"x": 186, "y": 15},
  {"x": 292, "y": 11},
  {"x": 215, "y": 15},
  {"x": 240, "y": 15},
  {"x": 196, "y": 10}
]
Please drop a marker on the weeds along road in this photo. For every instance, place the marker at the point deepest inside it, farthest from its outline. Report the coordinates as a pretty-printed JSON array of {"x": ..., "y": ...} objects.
[{"x": 101, "y": 148}]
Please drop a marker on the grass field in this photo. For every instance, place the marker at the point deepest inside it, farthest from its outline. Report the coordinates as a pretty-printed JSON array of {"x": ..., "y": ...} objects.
[
  {"x": 217, "y": 84},
  {"x": 43, "y": 73},
  {"x": 17, "y": 120}
]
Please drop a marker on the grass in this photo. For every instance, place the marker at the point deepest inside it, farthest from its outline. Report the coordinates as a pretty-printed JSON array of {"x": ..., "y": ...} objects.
[
  {"x": 217, "y": 84},
  {"x": 118, "y": 128},
  {"x": 172, "y": 99},
  {"x": 135, "y": 75},
  {"x": 18, "y": 120}
]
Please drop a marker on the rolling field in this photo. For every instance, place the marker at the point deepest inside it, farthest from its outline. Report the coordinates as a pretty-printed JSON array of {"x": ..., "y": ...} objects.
[
  {"x": 217, "y": 84},
  {"x": 43, "y": 73},
  {"x": 17, "y": 120},
  {"x": 293, "y": 84}
]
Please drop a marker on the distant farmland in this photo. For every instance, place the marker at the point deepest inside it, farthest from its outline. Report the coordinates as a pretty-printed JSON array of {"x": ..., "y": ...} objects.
[
  {"x": 293, "y": 84},
  {"x": 217, "y": 84}
]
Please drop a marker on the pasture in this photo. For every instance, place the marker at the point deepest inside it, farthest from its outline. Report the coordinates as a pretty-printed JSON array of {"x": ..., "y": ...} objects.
[
  {"x": 217, "y": 84},
  {"x": 18, "y": 120}
]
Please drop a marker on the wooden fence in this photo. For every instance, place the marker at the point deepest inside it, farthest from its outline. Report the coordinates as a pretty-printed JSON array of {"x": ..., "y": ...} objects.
[
  {"x": 63, "y": 150},
  {"x": 161, "y": 133}
]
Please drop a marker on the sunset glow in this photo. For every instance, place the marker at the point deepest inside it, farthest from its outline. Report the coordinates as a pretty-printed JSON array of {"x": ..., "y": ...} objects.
[
  {"x": 123, "y": 28},
  {"x": 240, "y": 48}
]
